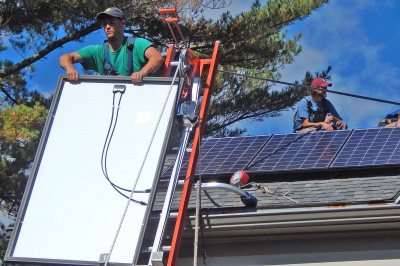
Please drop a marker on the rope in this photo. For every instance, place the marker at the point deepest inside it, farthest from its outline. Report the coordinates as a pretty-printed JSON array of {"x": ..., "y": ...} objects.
[
  {"x": 312, "y": 88},
  {"x": 140, "y": 170},
  {"x": 266, "y": 189},
  {"x": 197, "y": 223},
  {"x": 197, "y": 215}
]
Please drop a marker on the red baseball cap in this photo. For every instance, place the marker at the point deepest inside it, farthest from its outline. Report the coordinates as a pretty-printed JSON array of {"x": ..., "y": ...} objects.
[{"x": 320, "y": 82}]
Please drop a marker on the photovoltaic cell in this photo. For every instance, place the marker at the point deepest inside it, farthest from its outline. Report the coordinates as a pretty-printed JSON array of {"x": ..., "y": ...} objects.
[
  {"x": 370, "y": 147},
  {"x": 292, "y": 152},
  {"x": 223, "y": 155},
  {"x": 229, "y": 155},
  {"x": 299, "y": 151}
]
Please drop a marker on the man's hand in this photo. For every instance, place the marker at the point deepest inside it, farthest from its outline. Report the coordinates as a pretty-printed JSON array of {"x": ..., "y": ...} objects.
[
  {"x": 137, "y": 77},
  {"x": 66, "y": 62},
  {"x": 326, "y": 126},
  {"x": 329, "y": 119},
  {"x": 72, "y": 74},
  {"x": 155, "y": 60}
]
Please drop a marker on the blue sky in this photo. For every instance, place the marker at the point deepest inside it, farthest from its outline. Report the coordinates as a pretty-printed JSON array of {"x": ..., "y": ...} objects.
[{"x": 357, "y": 38}]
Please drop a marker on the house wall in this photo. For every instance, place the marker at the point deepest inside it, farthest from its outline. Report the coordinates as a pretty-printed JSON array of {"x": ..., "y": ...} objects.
[{"x": 362, "y": 248}]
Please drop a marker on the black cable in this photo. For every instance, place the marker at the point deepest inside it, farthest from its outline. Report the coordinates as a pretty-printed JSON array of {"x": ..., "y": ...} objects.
[
  {"x": 106, "y": 140},
  {"x": 108, "y": 145},
  {"x": 109, "y": 141},
  {"x": 133, "y": 200},
  {"x": 256, "y": 154},
  {"x": 211, "y": 199},
  {"x": 104, "y": 154},
  {"x": 312, "y": 88}
]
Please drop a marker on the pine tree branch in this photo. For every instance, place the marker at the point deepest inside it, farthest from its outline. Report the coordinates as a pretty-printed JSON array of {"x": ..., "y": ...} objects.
[
  {"x": 42, "y": 53},
  {"x": 7, "y": 94}
]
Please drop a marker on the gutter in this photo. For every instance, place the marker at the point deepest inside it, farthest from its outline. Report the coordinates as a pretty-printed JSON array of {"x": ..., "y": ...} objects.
[{"x": 299, "y": 220}]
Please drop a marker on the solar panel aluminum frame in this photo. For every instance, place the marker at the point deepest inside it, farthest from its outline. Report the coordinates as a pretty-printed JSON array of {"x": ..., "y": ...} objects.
[{"x": 38, "y": 160}]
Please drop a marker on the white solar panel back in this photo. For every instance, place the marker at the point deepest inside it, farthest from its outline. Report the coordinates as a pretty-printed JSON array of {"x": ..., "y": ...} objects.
[{"x": 70, "y": 212}]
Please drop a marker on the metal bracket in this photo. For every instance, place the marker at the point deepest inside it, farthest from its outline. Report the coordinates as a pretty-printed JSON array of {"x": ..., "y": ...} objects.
[
  {"x": 103, "y": 258},
  {"x": 157, "y": 258},
  {"x": 119, "y": 88},
  {"x": 190, "y": 121}
]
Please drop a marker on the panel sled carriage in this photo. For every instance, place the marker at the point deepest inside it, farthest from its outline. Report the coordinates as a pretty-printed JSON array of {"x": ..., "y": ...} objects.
[{"x": 95, "y": 172}]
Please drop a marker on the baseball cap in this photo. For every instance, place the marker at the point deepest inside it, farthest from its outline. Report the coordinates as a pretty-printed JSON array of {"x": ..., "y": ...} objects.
[
  {"x": 320, "y": 82},
  {"x": 111, "y": 12}
]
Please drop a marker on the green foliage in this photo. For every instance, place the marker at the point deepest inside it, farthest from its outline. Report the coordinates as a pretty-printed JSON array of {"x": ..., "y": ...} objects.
[
  {"x": 20, "y": 129},
  {"x": 21, "y": 123},
  {"x": 3, "y": 241},
  {"x": 240, "y": 98},
  {"x": 15, "y": 86}
]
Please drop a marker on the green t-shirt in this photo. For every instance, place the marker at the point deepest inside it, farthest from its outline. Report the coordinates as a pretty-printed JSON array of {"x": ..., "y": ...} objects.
[{"x": 93, "y": 57}]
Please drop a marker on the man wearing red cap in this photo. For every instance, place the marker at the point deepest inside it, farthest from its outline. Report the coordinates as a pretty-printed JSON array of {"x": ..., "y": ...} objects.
[
  {"x": 315, "y": 112},
  {"x": 117, "y": 56}
]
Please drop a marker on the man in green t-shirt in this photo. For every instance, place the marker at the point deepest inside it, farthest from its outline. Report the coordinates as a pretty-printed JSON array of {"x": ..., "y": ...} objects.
[{"x": 146, "y": 58}]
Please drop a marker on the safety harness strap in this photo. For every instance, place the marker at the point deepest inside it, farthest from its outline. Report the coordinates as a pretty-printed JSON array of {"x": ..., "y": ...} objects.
[{"x": 109, "y": 69}]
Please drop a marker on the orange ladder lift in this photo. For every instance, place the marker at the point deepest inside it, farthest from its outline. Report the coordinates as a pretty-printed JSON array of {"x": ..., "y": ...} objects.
[{"x": 198, "y": 69}]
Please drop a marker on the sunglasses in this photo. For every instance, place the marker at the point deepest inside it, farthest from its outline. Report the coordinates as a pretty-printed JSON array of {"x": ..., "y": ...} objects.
[{"x": 111, "y": 23}]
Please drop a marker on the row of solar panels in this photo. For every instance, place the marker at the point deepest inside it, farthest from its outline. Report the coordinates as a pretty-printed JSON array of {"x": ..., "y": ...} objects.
[{"x": 293, "y": 152}]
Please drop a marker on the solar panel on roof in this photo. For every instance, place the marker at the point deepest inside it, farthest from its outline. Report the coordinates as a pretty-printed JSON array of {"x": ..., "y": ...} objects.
[
  {"x": 292, "y": 152},
  {"x": 224, "y": 155},
  {"x": 370, "y": 147},
  {"x": 299, "y": 151}
]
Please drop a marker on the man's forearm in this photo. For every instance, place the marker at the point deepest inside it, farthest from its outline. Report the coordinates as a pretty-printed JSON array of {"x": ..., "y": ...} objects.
[
  {"x": 66, "y": 61},
  {"x": 152, "y": 65},
  {"x": 332, "y": 118},
  {"x": 307, "y": 123}
]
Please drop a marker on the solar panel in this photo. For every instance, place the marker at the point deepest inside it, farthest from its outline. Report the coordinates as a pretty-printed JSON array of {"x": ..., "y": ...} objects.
[
  {"x": 292, "y": 152},
  {"x": 229, "y": 155},
  {"x": 370, "y": 147},
  {"x": 70, "y": 213},
  {"x": 224, "y": 155},
  {"x": 286, "y": 152}
]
